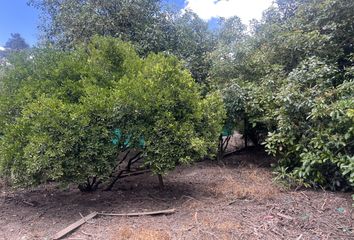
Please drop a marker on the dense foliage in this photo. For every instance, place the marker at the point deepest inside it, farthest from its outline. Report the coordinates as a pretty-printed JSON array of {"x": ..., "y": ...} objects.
[
  {"x": 292, "y": 80},
  {"x": 150, "y": 25},
  {"x": 60, "y": 109}
]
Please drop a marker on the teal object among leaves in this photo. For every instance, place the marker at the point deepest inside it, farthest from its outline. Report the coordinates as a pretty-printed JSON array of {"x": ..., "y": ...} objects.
[
  {"x": 142, "y": 142},
  {"x": 118, "y": 135},
  {"x": 227, "y": 130}
]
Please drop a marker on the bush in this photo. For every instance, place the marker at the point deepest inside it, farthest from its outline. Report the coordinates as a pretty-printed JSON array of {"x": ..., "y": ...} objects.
[
  {"x": 314, "y": 136},
  {"x": 59, "y": 111},
  {"x": 165, "y": 105}
]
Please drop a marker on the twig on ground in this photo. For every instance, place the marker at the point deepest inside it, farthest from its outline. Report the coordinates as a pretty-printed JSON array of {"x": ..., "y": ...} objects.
[
  {"x": 322, "y": 207},
  {"x": 304, "y": 195},
  {"x": 190, "y": 198},
  {"x": 28, "y": 203},
  {"x": 87, "y": 234},
  {"x": 299, "y": 237},
  {"x": 188, "y": 229},
  {"x": 276, "y": 232},
  {"x": 82, "y": 216},
  {"x": 285, "y": 216},
  {"x": 271, "y": 209}
]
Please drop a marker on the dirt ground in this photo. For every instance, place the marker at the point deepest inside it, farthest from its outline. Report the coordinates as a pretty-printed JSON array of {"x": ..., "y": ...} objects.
[{"x": 236, "y": 199}]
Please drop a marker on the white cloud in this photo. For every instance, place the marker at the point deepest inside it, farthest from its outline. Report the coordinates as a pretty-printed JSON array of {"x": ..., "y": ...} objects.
[
  {"x": 2, "y": 49},
  {"x": 245, "y": 9}
]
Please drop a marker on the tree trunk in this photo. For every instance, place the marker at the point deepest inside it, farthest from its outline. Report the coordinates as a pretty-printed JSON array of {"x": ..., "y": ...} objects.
[
  {"x": 161, "y": 185},
  {"x": 115, "y": 179},
  {"x": 220, "y": 149},
  {"x": 90, "y": 186},
  {"x": 245, "y": 131}
]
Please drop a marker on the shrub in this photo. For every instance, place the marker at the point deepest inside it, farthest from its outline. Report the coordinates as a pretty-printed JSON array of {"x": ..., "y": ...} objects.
[
  {"x": 59, "y": 111},
  {"x": 314, "y": 137},
  {"x": 165, "y": 105}
]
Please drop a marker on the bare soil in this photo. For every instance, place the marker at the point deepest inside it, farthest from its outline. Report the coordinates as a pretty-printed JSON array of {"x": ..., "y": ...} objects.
[{"x": 236, "y": 199}]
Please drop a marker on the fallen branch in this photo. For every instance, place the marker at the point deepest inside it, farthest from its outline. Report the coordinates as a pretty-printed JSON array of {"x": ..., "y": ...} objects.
[
  {"x": 135, "y": 173},
  {"x": 29, "y": 203},
  {"x": 322, "y": 207},
  {"x": 83, "y": 220},
  {"x": 168, "y": 211}
]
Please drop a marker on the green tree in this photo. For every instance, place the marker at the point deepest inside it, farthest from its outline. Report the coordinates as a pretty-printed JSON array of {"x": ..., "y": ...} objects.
[
  {"x": 16, "y": 42},
  {"x": 69, "y": 22},
  {"x": 229, "y": 56},
  {"x": 294, "y": 72},
  {"x": 314, "y": 137},
  {"x": 193, "y": 43},
  {"x": 148, "y": 24},
  {"x": 164, "y": 105},
  {"x": 59, "y": 111}
]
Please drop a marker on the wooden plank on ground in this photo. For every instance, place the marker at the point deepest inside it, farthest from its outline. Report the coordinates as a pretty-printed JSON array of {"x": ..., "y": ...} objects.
[{"x": 73, "y": 226}]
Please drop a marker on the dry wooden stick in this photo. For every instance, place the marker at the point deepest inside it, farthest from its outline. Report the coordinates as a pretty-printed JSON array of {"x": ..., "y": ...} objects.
[
  {"x": 135, "y": 173},
  {"x": 285, "y": 216},
  {"x": 29, "y": 203},
  {"x": 78, "y": 223},
  {"x": 73, "y": 226},
  {"x": 168, "y": 211},
  {"x": 322, "y": 207}
]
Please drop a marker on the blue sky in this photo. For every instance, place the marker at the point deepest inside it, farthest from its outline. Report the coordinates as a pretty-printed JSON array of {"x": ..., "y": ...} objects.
[{"x": 17, "y": 17}]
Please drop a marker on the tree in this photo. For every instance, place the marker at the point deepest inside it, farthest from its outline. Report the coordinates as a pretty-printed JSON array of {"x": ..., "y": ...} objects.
[
  {"x": 164, "y": 105},
  {"x": 231, "y": 31},
  {"x": 228, "y": 57},
  {"x": 16, "y": 42},
  {"x": 70, "y": 22},
  {"x": 60, "y": 111},
  {"x": 193, "y": 43},
  {"x": 314, "y": 136},
  {"x": 59, "y": 108},
  {"x": 145, "y": 23},
  {"x": 294, "y": 72}
]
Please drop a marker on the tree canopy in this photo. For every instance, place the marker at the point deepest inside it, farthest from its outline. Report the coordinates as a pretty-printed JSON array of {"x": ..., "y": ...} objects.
[
  {"x": 16, "y": 42},
  {"x": 148, "y": 24},
  {"x": 60, "y": 110}
]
